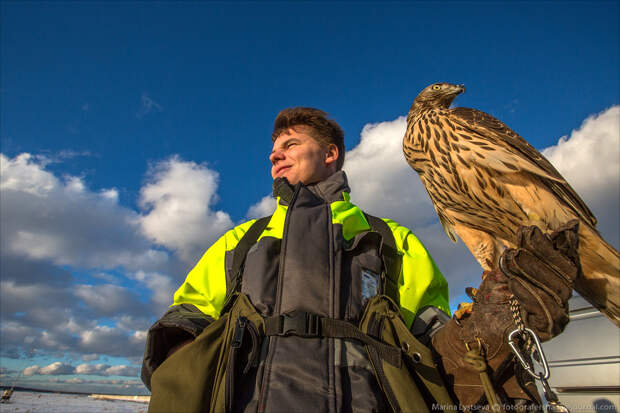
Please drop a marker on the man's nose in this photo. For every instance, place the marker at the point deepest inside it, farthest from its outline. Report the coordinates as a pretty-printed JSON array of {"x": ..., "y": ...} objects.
[{"x": 276, "y": 156}]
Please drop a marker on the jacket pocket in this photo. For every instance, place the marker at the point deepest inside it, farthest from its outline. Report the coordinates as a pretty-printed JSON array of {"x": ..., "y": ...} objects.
[{"x": 363, "y": 261}]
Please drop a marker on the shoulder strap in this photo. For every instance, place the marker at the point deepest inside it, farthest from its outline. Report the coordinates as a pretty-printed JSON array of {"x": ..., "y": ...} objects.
[
  {"x": 380, "y": 226},
  {"x": 240, "y": 252},
  {"x": 392, "y": 260},
  {"x": 245, "y": 243}
]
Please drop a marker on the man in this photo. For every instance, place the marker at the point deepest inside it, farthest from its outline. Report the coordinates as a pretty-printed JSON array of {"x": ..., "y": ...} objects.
[{"x": 317, "y": 310}]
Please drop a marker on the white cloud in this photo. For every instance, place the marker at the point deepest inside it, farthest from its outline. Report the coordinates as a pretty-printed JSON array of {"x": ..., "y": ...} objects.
[
  {"x": 32, "y": 370},
  {"x": 25, "y": 174},
  {"x": 590, "y": 161},
  {"x": 57, "y": 368},
  {"x": 51, "y": 226},
  {"x": 91, "y": 368},
  {"x": 107, "y": 299},
  {"x": 179, "y": 197},
  {"x": 380, "y": 178},
  {"x": 107, "y": 340},
  {"x": 52, "y": 369},
  {"x": 122, "y": 370},
  {"x": 110, "y": 194},
  {"x": 43, "y": 217},
  {"x": 60, "y": 368},
  {"x": 162, "y": 286},
  {"x": 262, "y": 208},
  {"x": 139, "y": 336}
]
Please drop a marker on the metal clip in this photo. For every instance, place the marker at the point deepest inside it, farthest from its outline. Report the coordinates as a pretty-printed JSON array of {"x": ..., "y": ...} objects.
[
  {"x": 554, "y": 405},
  {"x": 537, "y": 348}
]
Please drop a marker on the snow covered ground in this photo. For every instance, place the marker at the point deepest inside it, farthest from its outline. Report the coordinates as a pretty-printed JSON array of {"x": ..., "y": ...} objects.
[{"x": 33, "y": 402}]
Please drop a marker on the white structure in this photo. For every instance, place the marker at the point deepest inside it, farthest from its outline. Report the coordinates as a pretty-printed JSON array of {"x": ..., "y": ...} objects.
[{"x": 585, "y": 361}]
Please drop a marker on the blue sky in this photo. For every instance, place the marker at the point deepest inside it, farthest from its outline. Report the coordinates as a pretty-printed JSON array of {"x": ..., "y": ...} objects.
[{"x": 109, "y": 99}]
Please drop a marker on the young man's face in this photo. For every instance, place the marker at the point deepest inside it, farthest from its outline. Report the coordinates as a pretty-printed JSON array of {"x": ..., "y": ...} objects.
[{"x": 297, "y": 157}]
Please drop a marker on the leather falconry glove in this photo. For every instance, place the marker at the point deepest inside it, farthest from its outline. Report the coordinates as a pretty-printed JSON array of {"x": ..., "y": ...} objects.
[{"x": 539, "y": 273}]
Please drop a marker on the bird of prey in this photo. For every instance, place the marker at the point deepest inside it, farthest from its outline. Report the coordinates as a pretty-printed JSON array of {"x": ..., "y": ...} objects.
[{"x": 486, "y": 181}]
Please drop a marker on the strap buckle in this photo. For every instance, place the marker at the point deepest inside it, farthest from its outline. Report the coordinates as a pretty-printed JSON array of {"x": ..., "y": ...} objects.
[{"x": 298, "y": 323}]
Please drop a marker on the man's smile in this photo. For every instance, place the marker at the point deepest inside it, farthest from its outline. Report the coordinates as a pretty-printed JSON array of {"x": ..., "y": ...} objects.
[{"x": 281, "y": 169}]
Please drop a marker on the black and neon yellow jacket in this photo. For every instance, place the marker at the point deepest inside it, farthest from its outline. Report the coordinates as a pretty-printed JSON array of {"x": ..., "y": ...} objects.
[{"x": 314, "y": 256}]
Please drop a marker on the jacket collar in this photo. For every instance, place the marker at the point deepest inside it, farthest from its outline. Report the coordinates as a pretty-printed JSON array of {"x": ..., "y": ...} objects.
[{"x": 329, "y": 190}]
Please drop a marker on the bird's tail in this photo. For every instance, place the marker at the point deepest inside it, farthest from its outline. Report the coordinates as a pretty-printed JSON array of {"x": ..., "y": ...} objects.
[{"x": 600, "y": 282}]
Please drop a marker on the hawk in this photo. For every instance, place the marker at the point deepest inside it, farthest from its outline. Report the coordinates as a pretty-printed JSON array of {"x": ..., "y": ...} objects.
[{"x": 486, "y": 181}]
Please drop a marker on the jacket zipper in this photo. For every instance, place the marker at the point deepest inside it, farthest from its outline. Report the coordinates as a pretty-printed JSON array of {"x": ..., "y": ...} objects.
[
  {"x": 278, "y": 303},
  {"x": 331, "y": 341},
  {"x": 231, "y": 370}
]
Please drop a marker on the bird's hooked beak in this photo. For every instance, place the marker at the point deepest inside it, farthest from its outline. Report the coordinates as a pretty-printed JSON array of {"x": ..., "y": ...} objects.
[{"x": 458, "y": 89}]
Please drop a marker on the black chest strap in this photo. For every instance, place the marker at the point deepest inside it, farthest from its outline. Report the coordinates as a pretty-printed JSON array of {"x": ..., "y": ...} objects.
[{"x": 304, "y": 324}]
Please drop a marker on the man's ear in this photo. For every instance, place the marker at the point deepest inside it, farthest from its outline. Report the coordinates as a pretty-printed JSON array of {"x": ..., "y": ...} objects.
[{"x": 331, "y": 154}]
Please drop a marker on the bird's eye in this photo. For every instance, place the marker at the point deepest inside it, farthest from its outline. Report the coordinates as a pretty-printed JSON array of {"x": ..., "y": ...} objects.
[{"x": 436, "y": 87}]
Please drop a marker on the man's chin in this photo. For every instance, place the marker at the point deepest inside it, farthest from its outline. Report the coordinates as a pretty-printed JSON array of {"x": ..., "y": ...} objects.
[{"x": 291, "y": 179}]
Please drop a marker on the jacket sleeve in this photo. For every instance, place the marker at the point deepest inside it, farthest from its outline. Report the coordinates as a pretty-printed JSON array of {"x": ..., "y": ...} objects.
[
  {"x": 197, "y": 302},
  {"x": 421, "y": 284}
]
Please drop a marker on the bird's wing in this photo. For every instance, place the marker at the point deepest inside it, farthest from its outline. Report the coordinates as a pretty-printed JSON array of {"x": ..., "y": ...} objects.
[
  {"x": 446, "y": 223},
  {"x": 507, "y": 152}
]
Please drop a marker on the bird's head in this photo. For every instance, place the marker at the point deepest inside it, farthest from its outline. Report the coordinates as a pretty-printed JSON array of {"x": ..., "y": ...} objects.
[{"x": 439, "y": 95}]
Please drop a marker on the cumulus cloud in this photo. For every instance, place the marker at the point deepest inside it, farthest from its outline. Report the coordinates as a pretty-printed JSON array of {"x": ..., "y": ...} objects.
[
  {"x": 107, "y": 340},
  {"x": 122, "y": 370},
  {"x": 107, "y": 370},
  {"x": 52, "y": 226},
  {"x": 38, "y": 318},
  {"x": 60, "y": 368},
  {"x": 380, "y": 178},
  {"x": 179, "y": 198},
  {"x": 262, "y": 208},
  {"x": 589, "y": 159},
  {"x": 45, "y": 218},
  {"x": 32, "y": 370},
  {"x": 108, "y": 299},
  {"x": 56, "y": 368},
  {"x": 162, "y": 286}
]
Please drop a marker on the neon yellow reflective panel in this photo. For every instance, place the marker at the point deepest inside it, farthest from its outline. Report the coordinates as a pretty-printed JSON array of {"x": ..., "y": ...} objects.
[
  {"x": 349, "y": 216},
  {"x": 205, "y": 285},
  {"x": 275, "y": 228},
  {"x": 421, "y": 283}
]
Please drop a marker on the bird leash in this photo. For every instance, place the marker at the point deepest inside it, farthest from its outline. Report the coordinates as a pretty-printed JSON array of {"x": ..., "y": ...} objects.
[
  {"x": 475, "y": 358},
  {"x": 531, "y": 344}
]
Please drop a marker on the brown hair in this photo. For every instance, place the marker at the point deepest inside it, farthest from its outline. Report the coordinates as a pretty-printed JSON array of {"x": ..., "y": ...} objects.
[{"x": 315, "y": 123}]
